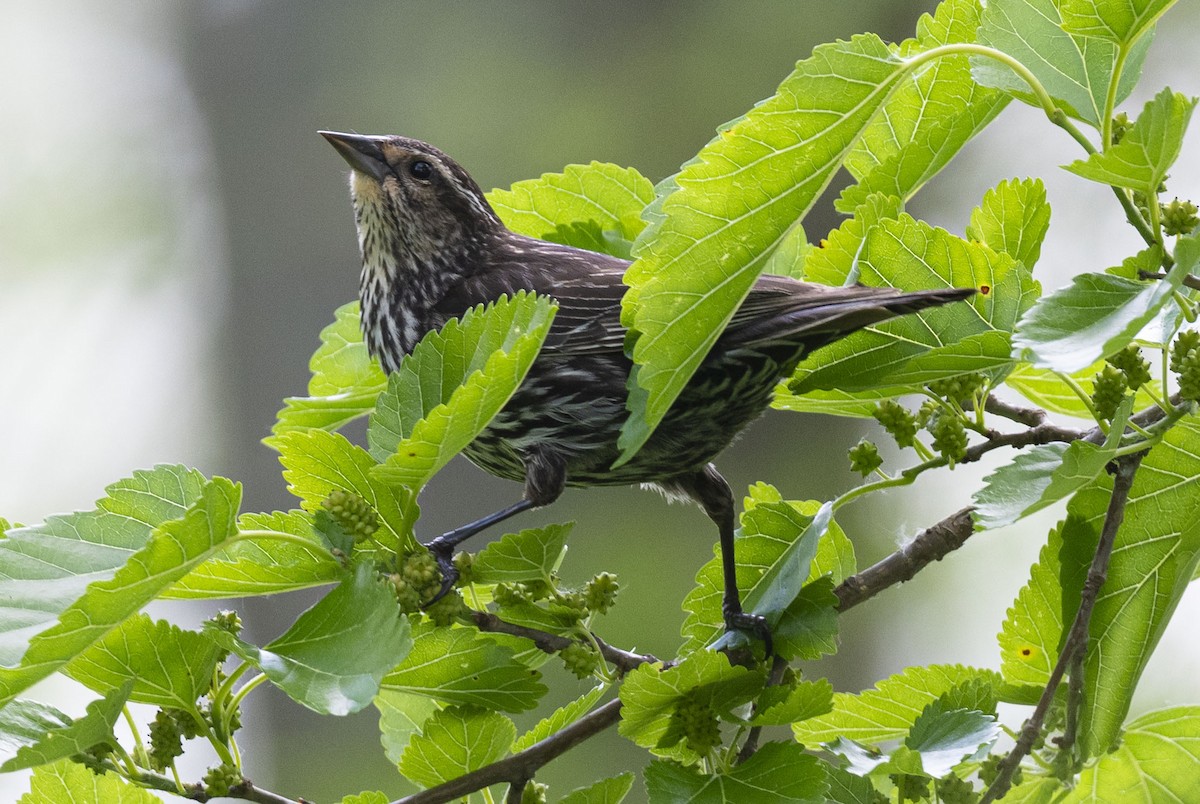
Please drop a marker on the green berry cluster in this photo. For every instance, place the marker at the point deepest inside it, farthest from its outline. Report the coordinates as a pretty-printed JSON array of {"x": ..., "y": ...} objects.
[
  {"x": 93, "y": 758},
  {"x": 896, "y": 419},
  {"x": 1185, "y": 362},
  {"x": 695, "y": 717},
  {"x": 534, "y": 793},
  {"x": 1179, "y": 217},
  {"x": 910, "y": 786},
  {"x": 600, "y": 593},
  {"x": 960, "y": 388},
  {"x": 949, "y": 435},
  {"x": 166, "y": 737},
  {"x": 221, "y": 779},
  {"x": 864, "y": 457},
  {"x": 355, "y": 515},
  {"x": 580, "y": 658},
  {"x": 1130, "y": 362},
  {"x": 417, "y": 581},
  {"x": 953, "y": 790},
  {"x": 1120, "y": 126},
  {"x": 464, "y": 562},
  {"x": 1108, "y": 391},
  {"x": 989, "y": 769}
]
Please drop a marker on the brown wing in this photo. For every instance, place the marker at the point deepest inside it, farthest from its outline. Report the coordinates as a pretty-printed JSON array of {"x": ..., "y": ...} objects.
[{"x": 588, "y": 289}]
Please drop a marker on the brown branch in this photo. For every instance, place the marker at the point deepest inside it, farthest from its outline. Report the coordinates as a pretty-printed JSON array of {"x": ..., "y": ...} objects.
[
  {"x": 245, "y": 790},
  {"x": 1030, "y": 417},
  {"x": 1188, "y": 281},
  {"x": 546, "y": 642},
  {"x": 1075, "y": 646},
  {"x": 521, "y": 767},
  {"x": 932, "y": 544}
]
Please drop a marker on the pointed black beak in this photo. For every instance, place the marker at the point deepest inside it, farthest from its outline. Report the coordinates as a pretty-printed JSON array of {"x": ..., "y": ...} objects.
[{"x": 361, "y": 152}]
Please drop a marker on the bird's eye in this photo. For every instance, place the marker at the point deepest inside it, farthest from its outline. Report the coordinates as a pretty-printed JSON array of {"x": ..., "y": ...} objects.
[{"x": 420, "y": 170}]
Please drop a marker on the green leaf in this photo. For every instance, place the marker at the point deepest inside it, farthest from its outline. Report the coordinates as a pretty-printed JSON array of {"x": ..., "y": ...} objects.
[
  {"x": 530, "y": 555},
  {"x": 70, "y": 782},
  {"x": 67, "y": 583},
  {"x": 1049, "y": 391},
  {"x": 456, "y": 741},
  {"x": 345, "y": 379},
  {"x": 1154, "y": 556},
  {"x": 1077, "y": 71},
  {"x": 803, "y": 700},
  {"x": 808, "y": 627},
  {"x": 606, "y": 791},
  {"x": 915, "y": 349},
  {"x": 25, "y": 722},
  {"x": 945, "y": 737},
  {"x": 168, "y": 666},
  {"x": 889, "y": 710},
  {"x": 258, "y": 563},
  {"x": 600, "y": 195},
  {"x": 1099, "y": 314},
  {"x": 930, "y": 117},
  {"x": 847, "y": 788},
  {"x": 559, "y": 719},
  {"x": 774, "y": 552},
  {"x": 1029, "y": 639},
  {"x": 367, "y": 797},
  {"x": 1121, "y": 21},
  {"x": 836, "y": 261},
  {"x": 456, "y": 379},
  {"x": 316, "y": 463},
  {"x": 334, "y": 656},
  {"x": 1141, "y": 159},
  {"x": 721, "y": 216},
  {"x": 65, "y": 740},
  {"x": 461, "y": 666},
  {"x": 1044, "y": 474},
  {"x": 1158, "y": 760},
  {"x": 649, "y": 695},
  {"x": 777, "y": 773},
  {"x": 401, "y": 715},
  {"x": 1013, "y": 219}
]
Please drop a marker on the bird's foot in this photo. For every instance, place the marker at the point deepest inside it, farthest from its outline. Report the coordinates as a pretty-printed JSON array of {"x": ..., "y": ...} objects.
[
  {"x": 753, "y": 624},
  {"x": 443, "y": 552}
]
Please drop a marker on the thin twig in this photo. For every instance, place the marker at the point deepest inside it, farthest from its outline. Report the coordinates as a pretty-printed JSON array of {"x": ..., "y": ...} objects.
[
  {"x": 522, "y": 766},
  {"x": 1030, "y": 417},
  {"x": 1077, "y": 639},
  {"x": 546, "y": 642},
  {"x": 245, "y": 790},
  {"x": 1188, "y": 281},
  {"x": 778, "y": 667}
]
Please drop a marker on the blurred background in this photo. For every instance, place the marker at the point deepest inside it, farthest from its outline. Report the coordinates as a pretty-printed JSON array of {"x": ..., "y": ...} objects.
[{"x": 174, "y": 234}]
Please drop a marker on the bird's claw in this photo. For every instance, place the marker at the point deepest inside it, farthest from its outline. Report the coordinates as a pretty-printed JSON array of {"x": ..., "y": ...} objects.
[
  {"x": 753, "y": 624},
  {"x": 443, "y": 553}
]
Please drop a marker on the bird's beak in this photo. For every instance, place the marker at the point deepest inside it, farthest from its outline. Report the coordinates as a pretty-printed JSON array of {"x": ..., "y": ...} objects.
[{"x": 361, "y": 152}]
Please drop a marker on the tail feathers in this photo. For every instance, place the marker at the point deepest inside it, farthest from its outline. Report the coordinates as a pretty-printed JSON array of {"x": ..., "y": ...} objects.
[{"x": 819, "y": 321}]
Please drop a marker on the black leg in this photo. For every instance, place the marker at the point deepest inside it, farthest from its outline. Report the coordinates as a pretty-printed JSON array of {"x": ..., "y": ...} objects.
[
  {"x": 711, "y": 492},
  {"x": 545, "y": 478}
]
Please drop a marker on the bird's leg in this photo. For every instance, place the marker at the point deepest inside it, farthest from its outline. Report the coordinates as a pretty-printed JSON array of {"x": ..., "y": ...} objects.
[
  {"x": 712, "y": 493},
  {"x": 545, "y": 478}
]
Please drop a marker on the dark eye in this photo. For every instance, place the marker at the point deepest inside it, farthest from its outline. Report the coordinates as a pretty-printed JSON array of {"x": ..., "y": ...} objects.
[{"x": 420, "y": 170}]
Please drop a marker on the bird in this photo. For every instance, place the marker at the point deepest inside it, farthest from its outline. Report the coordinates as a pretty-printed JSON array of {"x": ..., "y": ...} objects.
[{"x": 433, "y": 248}]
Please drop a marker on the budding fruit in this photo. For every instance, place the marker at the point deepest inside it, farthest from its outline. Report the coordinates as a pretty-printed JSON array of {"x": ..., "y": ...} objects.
[
  {"x": 898, "y": 422},
  {"x": 1108, "y": 390},
  {"x": 600, "y": 593},
  {"x": 864, "y": 458},
  {"x": 949, "y": 436},
  {"x": 1179, "y": 218},
  {"x": 580, "y": 659},
  {"x": 355, "y": 515},
  {"x": 1130, "y": 362},
  {"x": 698, "y": 722}
]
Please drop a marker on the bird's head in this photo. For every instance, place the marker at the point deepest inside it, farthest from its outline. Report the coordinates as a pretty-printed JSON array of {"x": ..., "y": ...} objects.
[
  {"x": 411, "y": 200},
  {"x": 423, "y": 223}
]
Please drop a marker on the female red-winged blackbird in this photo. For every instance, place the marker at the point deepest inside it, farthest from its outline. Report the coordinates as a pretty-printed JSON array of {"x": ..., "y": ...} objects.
[{"x": 432, "y": 248}]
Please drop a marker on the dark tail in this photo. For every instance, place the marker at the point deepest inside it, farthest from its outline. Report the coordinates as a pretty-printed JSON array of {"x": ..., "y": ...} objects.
[{"x": 824, "y": 315}]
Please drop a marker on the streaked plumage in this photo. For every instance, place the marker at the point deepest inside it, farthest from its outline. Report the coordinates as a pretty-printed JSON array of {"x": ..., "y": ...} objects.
[{"x": 433, "y": 248}]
